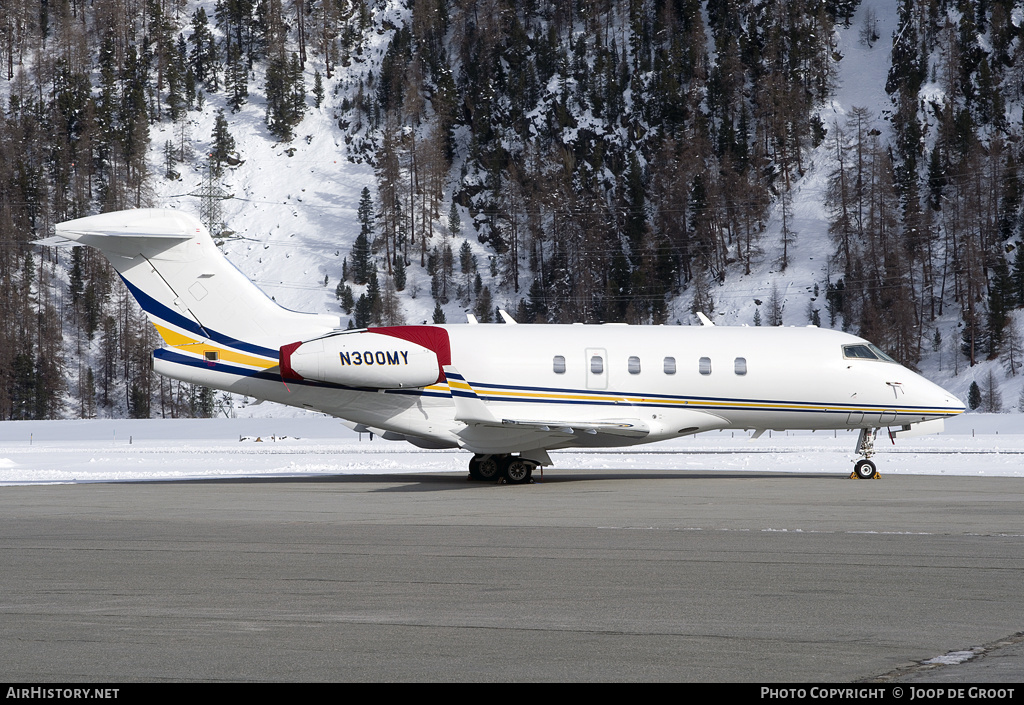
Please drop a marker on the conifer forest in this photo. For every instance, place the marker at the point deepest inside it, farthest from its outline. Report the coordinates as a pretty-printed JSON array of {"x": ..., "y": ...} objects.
[{"x": 566, "y": 160}]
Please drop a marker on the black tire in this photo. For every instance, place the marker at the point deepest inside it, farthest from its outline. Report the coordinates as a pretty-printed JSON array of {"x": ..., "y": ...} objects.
[
  {"x": 864, "y": 469},
  {"x": 517, "y": 471},
  {"x": 487, "y": 467}
]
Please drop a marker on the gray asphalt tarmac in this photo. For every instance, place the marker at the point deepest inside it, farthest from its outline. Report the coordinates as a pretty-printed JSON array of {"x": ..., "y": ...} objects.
[{"x": 582, "y": 576}]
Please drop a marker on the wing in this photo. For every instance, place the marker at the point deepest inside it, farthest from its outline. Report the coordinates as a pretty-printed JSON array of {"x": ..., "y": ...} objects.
[{"x": 486, "y": 433}]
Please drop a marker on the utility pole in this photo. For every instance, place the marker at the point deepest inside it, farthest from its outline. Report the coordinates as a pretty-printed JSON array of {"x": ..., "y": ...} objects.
[{"x": 210, "y": 195}]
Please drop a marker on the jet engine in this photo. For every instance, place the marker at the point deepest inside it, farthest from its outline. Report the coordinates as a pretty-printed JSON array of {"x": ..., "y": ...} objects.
[{"x": 362, "y": 359}]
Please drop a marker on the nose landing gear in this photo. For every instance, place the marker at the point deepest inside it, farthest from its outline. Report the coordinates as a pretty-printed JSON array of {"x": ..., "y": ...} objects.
[{"x": 864, "y": 469}]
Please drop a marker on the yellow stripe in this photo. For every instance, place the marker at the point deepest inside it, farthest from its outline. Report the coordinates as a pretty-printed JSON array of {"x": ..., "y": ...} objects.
[
  {"x": 491, "y": 394},
  {"x": 172, "y": 337},
  {"x": 199, "y": 347}
]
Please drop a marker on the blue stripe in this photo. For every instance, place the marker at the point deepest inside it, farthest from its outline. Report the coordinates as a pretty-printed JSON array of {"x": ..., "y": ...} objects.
[
  {"x": 836, "y": 407},
  {"x": 178, "y": 358},
  {"x": 418, "y": 393},
  {"x": 159, "y": 310},
  {"x": 220, "y": 366},
  {"x": 821, "y": 407},
  {"x": 700, "y": 403}
]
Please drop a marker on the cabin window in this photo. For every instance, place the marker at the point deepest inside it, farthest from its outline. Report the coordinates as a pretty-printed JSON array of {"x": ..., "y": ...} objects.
[
  {"x": 634, "y": 365},
  {"x": 705, "y": 365},
  {"x": 597, "y": 365},
  {"x": 558, "y": 365},
  {"x": 210, "y": 355},
  {"x": 741, "y": 366},
  {"x": 670, "y": 365}
]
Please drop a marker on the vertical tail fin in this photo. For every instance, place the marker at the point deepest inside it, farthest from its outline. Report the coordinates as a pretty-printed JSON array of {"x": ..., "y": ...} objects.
[{"x": 188, "y": 289}]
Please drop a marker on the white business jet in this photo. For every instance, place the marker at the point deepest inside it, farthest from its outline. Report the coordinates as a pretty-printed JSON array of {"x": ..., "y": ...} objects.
[{"x": 506, "y": 393}]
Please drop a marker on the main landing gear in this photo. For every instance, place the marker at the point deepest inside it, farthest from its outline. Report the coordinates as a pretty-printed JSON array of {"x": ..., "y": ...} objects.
[
  {"x": 512, "y": 469},
  {"x": 864, "y": 469}
]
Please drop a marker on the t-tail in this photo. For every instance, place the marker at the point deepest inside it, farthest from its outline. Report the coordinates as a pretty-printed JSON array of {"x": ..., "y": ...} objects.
[{"x": 207, "y": 312}]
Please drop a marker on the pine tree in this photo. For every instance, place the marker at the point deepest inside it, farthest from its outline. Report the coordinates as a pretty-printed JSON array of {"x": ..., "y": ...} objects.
[
  {"x": 454, "y": 222},
  {"x": 835, "y": 302},
  {"x": 204, "y": 50},
  {"x": 343, "y": 292},
  {"x": 776, "y": 305},
  {"x": 399, "y": 274},
  {"x": 1000, "y": 296},
  {"x": 1017, "y": 275},
  {"x": 205, "y": 403},
  {"x": 236, "y": 78},
  {"x": 223, "y": 144},
  {"x": 318, "y": 89},
  {"x": 363, "y": 312},
  {"x": 484, "y": 308},
  {"x": 360, "y": 259},
  {"x": 974, "y": 396},
  {"x": 1012, "y": 353},
  {"x": 286, "y": 95},
  {"x": 138, "y": 402},
  {"x": 813, "y": 314},
  {"x": 537, "y": 302},
  {"x": 444, "y": 271},
  {"x": 373, "y": 295},
  {"x": 170, "y": 173},
  {"x": 636, "y": 215}
]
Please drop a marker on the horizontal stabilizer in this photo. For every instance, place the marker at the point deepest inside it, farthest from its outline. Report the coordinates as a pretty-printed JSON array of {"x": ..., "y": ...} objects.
[
  {"x": 56, "y": 241},
  {"x": 145, "y": 223}
]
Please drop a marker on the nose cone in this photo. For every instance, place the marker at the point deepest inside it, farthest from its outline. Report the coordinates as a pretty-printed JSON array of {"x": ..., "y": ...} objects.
[{"x": 935, "y": 401}]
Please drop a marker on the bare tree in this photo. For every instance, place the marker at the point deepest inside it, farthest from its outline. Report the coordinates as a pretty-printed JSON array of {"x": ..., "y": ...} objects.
[
  {"x": 869, "y": 28},
  {"x": 1012, "y": 354},
  {"x": 991, "y": 399}
]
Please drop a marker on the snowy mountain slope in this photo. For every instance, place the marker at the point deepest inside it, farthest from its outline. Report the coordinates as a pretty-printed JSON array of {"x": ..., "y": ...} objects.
[
  {"x": 859, "y": 82},
  {"x": 299, "y": 199}
]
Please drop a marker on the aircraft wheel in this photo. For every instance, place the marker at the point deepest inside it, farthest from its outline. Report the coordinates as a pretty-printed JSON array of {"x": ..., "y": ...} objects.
[
  {"x": 517, "y": 471},
  {"x": 864, "y": 470},
  {"x": 487, "y": 467}
]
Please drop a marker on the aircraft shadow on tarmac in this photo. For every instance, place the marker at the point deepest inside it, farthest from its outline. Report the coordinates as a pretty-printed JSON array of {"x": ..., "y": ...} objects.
[{"x": 438, "y": 482}]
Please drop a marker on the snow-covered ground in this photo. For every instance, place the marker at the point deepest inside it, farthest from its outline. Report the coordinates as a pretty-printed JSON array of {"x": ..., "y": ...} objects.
[{"x": 40, "y": 452}]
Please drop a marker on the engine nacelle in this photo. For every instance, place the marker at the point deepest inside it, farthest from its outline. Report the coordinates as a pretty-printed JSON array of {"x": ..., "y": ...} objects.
[{"x": 363, "y": 359}]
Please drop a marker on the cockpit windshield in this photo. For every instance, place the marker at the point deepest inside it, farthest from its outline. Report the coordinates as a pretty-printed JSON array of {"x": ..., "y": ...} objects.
[{"x": 867, "y": 351}]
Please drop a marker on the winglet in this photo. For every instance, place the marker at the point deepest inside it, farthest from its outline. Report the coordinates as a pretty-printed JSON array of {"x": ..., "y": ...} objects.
[
  {"x": 506, "y": 317},
  {"x": 704, "y": 320},
  {"x": 469, "y": 408}
]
